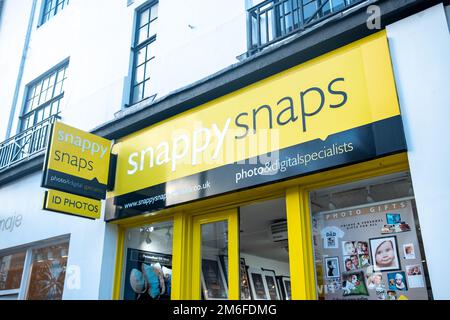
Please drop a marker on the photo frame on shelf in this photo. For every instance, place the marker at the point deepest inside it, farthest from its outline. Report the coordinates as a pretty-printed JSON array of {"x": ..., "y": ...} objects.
[
  {"x": 224, "y": 264},
  {"x": 244, "y": 281},
  {"x": 214, "y": 286},
  {"x": 257, "y": 284},
  {"x": 285, "y": 286},
  {"x": 271, "y": 284}
]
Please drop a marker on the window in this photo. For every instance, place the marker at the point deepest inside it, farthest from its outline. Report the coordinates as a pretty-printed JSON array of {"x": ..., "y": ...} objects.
[
  {"x": 146, "y": 27},
  {"x": 51, "y": 8},
  {"x": 11, "y": 269},
  {"x": 367, "y": 241},
  {"x": 34, "y": 272},
  {"x": 148, "y": 262},
  {"x": 44, "y": 97},
  {"x": 271, "y": 20},
  {"x": 48, "y": 272},
  {"x": 264, "y": 253}
]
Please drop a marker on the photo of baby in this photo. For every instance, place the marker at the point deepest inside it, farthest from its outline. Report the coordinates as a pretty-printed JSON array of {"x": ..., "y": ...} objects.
[
  {"x": 397, "y": 281},
  {"x": 408, "y": 251},
  {"x": 384, "y": 253},
  {"x": 348, "y": 248}
]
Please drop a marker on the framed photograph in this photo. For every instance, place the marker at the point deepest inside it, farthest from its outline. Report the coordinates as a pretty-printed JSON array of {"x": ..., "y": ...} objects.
[
  {"x": 257, "y": 284},
  {"x": 245, "y": 285},
  {"x": 332, "y": 267},
  {"x": 214, "y": 286},
  {"x": 224, "y": 264},
  {"x": 271, "y": 284},
  {"x": 384, "y": 253},
  {"x": 286, "y": 281},
  {"x": 408, "y": 251}
]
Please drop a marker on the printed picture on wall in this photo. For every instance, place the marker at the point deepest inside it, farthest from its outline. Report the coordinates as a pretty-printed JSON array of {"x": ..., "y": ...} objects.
[
  {"x": 351, "y": 262},
  {"x": 397, "y": 281},
  {"x": 348, "y": 248},
  {"x": 333, "y": 285},
  {"x": 384, "y": 253},
  {"x": 330, "y": 236},
  {"x": 393, "y": 218},
  {"x": 364, "y": 260},
  {"x": 408, "y": 251},
  {"x": 353, "y": 284},
  {"x": 362, "y": 247},
  {"x": 395, "y": 228},
  {"x": 415, "y": 276},
  {"x": 375, "y": 280},
  {"x": 332, "y": 267},
  {"x": 391, "y": 295}
]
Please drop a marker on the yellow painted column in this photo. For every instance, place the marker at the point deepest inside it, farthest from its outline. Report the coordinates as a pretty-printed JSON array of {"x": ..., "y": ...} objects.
[
  {"x": 118, "y": 263},
  {"x": 178, "y": 255},
  {"x": 301, "y": 262},
  {"x": 233, "y": 255}
]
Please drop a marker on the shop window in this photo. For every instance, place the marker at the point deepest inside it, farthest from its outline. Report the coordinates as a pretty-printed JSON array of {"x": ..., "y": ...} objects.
[
  {"x": 264, "y": 254},
  {"x": 11, "y": 270},
  {"x": 367, "y": 241},
  {"x": 48, "y": 272},
  {"x": 148, "y": 262},
  {"x": 214, "y": 260}
]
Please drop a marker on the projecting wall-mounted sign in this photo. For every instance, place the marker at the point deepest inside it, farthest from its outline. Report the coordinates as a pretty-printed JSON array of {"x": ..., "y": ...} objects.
[{"x": 77, "y": 162}]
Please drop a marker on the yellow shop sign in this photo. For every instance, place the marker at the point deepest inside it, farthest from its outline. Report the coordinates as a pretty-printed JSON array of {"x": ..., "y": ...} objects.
[
  {"x": 77, "y": 162},
  {"x": 72, "y": 204},
  {"x": 336, "y": 109}
]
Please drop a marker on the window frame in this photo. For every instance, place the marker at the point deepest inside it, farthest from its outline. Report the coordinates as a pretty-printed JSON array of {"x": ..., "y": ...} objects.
[
  {"x": 22, "y": 292},
  {"x": 46, "y": 15},
  {"x": 136, "y": 46},
  {"x": 25, "y": 112}
]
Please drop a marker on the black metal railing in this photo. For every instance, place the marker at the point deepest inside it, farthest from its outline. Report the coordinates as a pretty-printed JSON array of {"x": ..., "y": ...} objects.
[
  {"x": 273, "y": 20},
  {"x": 26, "y": 144}
]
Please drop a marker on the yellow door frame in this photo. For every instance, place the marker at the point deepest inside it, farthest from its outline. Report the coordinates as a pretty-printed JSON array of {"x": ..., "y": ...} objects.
[
  {"x": 231, "y": 216},
  {"x": 188, "y": 218}
]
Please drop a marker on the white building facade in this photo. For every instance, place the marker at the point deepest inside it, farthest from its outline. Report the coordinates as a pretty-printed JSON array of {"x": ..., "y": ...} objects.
[{"x": 98, "y": 65}]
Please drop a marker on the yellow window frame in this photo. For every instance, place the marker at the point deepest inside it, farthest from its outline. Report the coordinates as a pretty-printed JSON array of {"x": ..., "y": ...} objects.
[{"x": 188, "y": 219}]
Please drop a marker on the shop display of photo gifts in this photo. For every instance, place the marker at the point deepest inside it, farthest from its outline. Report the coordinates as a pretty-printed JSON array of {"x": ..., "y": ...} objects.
[
  {"x": 371, "y": 252},
  {"x": 148, "y": 275}
]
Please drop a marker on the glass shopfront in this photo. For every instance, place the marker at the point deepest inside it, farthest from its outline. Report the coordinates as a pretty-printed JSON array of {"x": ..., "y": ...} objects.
[
  {"x": 148, "y": 262},
  {"x": 367, "y": 242},
  {"x": 35, "y": 272},
  {"x": 254, "y": 181}
]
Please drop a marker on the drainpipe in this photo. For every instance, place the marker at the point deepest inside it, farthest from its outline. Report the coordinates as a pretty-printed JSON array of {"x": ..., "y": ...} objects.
[{"x": 21, "y": 67}]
